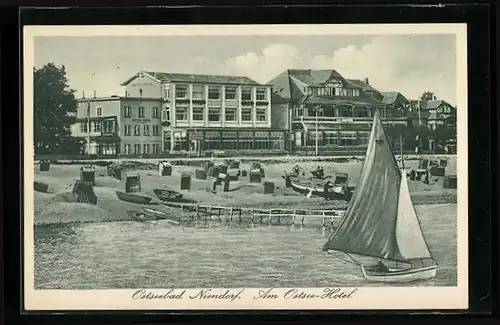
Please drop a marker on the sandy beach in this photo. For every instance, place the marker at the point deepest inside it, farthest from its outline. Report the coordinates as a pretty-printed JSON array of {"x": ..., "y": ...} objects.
[{"x": 58, "y": 205}]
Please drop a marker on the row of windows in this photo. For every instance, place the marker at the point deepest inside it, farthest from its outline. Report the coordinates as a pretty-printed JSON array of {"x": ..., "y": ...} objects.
[
  {"x": 106, "y": 127},
  {"x": 141, "y": 112},
  {"x": 145, "y": 128},
  {"x": 332, "y": 91},
  {"x": 215, "y": 113},
  {"x": 145, "y": 148},
  {"x": 215, "y": 92},
  {"x": 299, "y": 111}
]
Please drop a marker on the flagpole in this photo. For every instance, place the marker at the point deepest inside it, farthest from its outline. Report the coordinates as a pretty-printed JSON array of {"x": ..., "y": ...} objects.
[
  {"x": 401, "y": 149},
  {"x": 88, "y": 129}
]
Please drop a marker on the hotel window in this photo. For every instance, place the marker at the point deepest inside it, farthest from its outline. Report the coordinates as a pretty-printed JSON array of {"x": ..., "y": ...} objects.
[
  {"x": 137, "y": 149},
  {"x": 107, "y": 127},
  {"x": 261, "y": 114},
  {"x": 126, "y": 111},
  {"x": 246, "y": 113},
  {"x": 181, "y": 113},
  {"x": 214, "y": 114},
  {"x": 83, "y": 127},
  {"x": 127, "y": 149},
  {"x": 261, "y": 141},
  {"x": 156, "y": 112},
  {"x": 97, "y": 126},
  {"x": 198, "y": 92},
  {"x": 137, "y": 130},
  {"x": 181, "y": 91},
  {"x": 212, "y": 140},
  {"x": 229, "y": 141},
  {"x": 245, "y": 140},
  {"x": 165, "y": 114},
  {"x": 180, "y": 140},
  {"x": 166, "y": 91},
  {"x": 230, "y": 92},
  {"x": 156, "y": 130},
  {"x": 331, "y": 139},
  {"x": 127, "y": 129},
  {"x": 214, "y": 92},
  {"x": 146, "y": 130},
  {"x": 99, "y": 110},
  {"x": 146, "y": 149},
  {"x": 277, "y": 141},
  {"x": 261, "y": 94},
  {"x": 198, "y": 113},
  {"x": 230, "y": 115},
  {"x": 246, "y": 93},
  {"x": 156, "y": 148},
  {"x": 141, "y": 111}
]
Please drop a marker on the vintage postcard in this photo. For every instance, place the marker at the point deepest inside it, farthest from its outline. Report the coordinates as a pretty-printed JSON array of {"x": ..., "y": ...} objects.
[{"x": 245, "y": 167}]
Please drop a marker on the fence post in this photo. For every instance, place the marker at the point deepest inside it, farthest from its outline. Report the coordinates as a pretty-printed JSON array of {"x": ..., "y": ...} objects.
[
  {"x": 323, "y": 219},
  {"x": 231, "y": 214},
  {"x": 252, "y": 212},
  {"x": 293, "y": 219},
  {"x": 270, "y": 216}
]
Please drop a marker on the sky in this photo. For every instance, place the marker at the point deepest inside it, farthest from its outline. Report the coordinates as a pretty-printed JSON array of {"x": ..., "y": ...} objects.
[{"x": 408, "y": 64}]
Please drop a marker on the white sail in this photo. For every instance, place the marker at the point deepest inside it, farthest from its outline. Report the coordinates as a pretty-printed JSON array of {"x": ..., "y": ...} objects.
[{"x": 409, "y": 236}]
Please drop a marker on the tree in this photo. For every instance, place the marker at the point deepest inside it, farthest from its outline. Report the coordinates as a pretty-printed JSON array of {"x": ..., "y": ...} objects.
[{"x": 54, "y": 108}]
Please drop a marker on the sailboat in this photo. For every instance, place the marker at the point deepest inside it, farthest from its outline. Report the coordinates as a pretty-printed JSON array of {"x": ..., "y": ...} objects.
[{"x": 380, "y": 231}]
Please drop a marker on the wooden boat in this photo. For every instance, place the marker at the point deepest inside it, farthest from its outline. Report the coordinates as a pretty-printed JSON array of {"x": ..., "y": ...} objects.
[
  {"x": 133, "y": 198},
  {"x": 141, "y": 217},
  {"x": 318, "y": 189},
  {"x": 167, "y": 195},
  {"x": 159, "y": 215},
  {"x": 380, "y": 231}
]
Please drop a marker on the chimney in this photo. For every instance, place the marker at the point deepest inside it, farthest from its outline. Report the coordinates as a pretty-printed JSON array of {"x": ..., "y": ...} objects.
[
  {"x": 94, "y": 94},
  {"x": 366, "y": 81},
  {"x": 434, "y": 97},
  {"x": 126, "y": 93},
  {"x": 83, "y": 94}
]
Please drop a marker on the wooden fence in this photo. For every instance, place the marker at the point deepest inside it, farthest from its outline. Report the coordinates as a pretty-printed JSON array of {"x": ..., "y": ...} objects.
[{"x": 258, "y": 214}]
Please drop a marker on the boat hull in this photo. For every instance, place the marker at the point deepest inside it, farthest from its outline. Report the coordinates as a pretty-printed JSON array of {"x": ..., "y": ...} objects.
[
  {"x": 133, "y": 198},
  {"x": 400, "y": 276},
  {"x": 335, "y": 193}
]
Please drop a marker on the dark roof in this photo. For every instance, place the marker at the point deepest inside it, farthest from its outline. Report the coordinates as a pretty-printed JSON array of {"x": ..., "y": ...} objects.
[
  {"x": 281, "y": 84},
  {"x": 314, "y": 77},
  {"x": 357, "y": 101},
  {"x": 277, "y": 99},
  {"x": 392, "y": 96},
  {"x": 361, "y": 84},
  {"x": 433, "y": 104},
  {"x": 196, "y": 78}
]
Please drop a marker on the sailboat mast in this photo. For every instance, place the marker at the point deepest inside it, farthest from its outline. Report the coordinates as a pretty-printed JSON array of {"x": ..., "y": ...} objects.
[{"x": 401, "y": 149}]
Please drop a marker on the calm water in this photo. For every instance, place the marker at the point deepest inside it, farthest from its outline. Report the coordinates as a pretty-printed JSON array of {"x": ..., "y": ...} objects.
[{"x": 132, "y": 255}]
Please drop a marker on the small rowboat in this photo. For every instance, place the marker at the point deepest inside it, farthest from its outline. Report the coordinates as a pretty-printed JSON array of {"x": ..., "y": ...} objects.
[
  {"x": 159, "y": 215},
  {"x": 168, "y": 195},
  {"x": 141, "y": 217},
  {"x": 336, "y": 192},
  {"x": 134, "y": 198}
]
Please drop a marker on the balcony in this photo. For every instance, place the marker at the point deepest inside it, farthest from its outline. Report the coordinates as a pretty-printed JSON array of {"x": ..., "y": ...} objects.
[{"x": 349, "y": 120}]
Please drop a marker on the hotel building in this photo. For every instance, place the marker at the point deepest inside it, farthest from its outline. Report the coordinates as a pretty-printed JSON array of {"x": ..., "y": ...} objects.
[
  {"x": 119, "y": 125},
  {"x": 167, "y": 112},
  {"x": 341, "y": 109}
]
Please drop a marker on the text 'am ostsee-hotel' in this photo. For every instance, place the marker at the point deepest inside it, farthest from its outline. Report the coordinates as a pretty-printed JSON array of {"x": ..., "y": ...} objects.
[{"x": 170, "y": 112}]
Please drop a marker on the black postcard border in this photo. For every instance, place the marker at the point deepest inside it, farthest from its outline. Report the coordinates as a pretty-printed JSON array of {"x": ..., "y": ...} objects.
[{"x": 482, "y": 128}]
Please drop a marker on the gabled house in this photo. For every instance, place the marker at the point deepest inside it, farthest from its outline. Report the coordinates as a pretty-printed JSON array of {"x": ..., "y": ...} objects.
[{"x": 340, "y": 109}]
